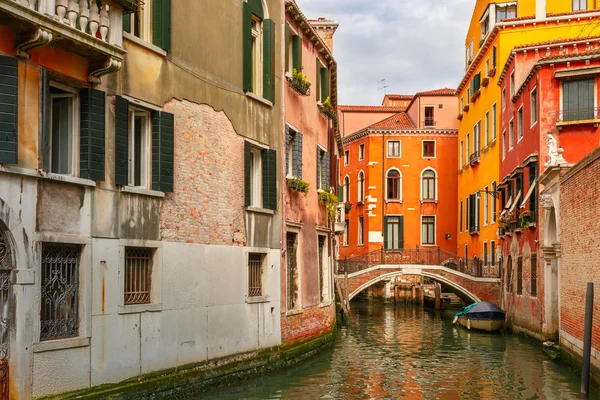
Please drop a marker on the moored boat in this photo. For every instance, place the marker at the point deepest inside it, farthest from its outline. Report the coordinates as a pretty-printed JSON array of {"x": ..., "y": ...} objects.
[{"x": 481, "y": 315}]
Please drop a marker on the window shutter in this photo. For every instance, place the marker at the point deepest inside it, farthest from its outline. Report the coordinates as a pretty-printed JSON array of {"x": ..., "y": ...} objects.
[
  {"x": 161, "y": 24},
  {"x": 477, "y": 82},
  {"x": 269, "y": 170},
  {"x": 324, "y": 84},
  {"x": 247, "y": 172},
  {"x": 385, "y": 233},
  {"x": 121, "y": 141},
  {"x": 269, "y": 60},
  {"x": 401, "y": 232},
  {"x": 318, "y": 81},
  {"x": 340, "y": 193},
  {"x": 9, "y": 104},
  {"x": 472, "y": 212},
  {"x": 46, "y": 111},
  {"x": 297, "y": 156},
  {"x": 92, "y": 134},
  {"x": 297, "y": 52},
  {"x": 287, "y": 150},
  {"x": 494, "y": 57},
  {"x": 325, "y": 171},
  {"x": 467, "y": 216},
  {"x": 163, "y": 143},
  {"x": 247, "y": 47},
  {"x": 127, "y": 23}
]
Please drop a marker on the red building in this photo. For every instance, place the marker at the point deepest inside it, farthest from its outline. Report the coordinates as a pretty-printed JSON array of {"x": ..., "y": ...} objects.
[{"x": 565, "y": 75}]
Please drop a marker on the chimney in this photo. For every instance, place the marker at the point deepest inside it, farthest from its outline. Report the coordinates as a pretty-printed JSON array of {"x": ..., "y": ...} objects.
[
  {"x": 325, "y": 28},
  {"x": 540, "y": 9}
]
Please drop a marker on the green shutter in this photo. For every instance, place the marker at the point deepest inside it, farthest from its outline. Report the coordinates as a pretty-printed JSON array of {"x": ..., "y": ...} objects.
[
  {"x": 325, "y": 171},
  {"x": 121, "y": 141},
  {"x": 247, "y": 28},
  {"x": 247, "y": 172},
  {"x": 467, "y": 226},
  {"x": 472, "y": 215},
  {"x": 92, "y": 134},
  {"x": 269, "y": 60},
  {"x": 297, "y": 156},
  {"x": 127, "y": 23},
  {"x": 324, "y": 84},
  {"x": 163, "y": 149},
  {"x": 401, "y": 232},
  {"x": 494, "y": 57},
  {"x": 269, "y": 171},
  {"x": 340, "y": 193},
  {"x": 9, "y": 104},
  {"x": 287, "y": 150},
  {"x": 46, "y": 112},
  {"x": 385, "y": 233},
  {"x": 161, "y": 24},
  {"x": 297, "y": 52},
  {"x": 318, "y": 80},
  {"x": 477, "y": 82}
]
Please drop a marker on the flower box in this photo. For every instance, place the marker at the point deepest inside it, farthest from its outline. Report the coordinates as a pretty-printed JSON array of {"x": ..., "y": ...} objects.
[
  {"x": 460, "y": 117},
  {"x": 485, "y": 82},
  {"x": 466, "y": 108},
  {"x": 492, "y": 72}
]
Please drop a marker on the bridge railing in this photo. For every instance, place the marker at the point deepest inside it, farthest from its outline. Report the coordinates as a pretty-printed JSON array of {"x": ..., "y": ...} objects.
[{"x": 418, "y": 256}]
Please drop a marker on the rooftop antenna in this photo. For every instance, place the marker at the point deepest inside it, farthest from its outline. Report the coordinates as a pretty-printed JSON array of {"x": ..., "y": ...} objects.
[{"x": 384, "y": 86}]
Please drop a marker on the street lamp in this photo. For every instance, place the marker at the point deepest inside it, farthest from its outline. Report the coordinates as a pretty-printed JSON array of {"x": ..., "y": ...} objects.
[{"x": 496, "y": 193}]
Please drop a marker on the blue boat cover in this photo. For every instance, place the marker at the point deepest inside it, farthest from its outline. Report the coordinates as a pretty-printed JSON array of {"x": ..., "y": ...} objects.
[{"x": 482, "y": 311}]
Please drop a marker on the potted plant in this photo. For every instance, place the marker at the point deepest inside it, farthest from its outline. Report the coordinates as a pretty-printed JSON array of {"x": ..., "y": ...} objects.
[
  {"x": 327, "y": 109},
  {"x": 485, "y": 81},
  {"x": 460, "y": 117},
  {"x": 298, "y": 185},
  {"x": 525, "y": 219},
  {"x": 330, "y": 201},
  {"x": 492, "y": 72},
  {"x": 300, "y": 83},
  {"x": 475, "y": 96},
  {"x": 466, "y": 108},
  {"x": 348, "y": 206}
]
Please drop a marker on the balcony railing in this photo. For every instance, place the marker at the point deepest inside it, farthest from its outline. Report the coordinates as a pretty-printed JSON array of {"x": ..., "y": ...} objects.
[
  {"x": 429, "y": 122},
  {"x": 578, "y": 115},
  {"x": 474, "y": 158}
]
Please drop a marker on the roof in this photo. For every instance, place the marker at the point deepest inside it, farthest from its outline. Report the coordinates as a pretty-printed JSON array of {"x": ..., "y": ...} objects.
[
  {"x": 557, "y": 41},
  {"x": 437, "y": 92},
  {"x": 380, "y": 109},
  {"x": 397, "y": 121},
  {"x": 570, "y": 56},
  {"x": 399, "y": 96}
]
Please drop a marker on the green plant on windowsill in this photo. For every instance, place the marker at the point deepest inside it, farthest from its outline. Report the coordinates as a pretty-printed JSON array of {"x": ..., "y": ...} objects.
[
  {"x": 524, "y": 219},
  {"x": 299, "y": 82},
  {"x": 328, "y": 109},
  {"x": 330, "y": 201},
  {"x": 298, "y": 185}
]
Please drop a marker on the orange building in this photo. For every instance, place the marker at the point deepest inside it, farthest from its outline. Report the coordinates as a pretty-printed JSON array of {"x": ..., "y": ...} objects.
[{"x": 398, "y": 176}]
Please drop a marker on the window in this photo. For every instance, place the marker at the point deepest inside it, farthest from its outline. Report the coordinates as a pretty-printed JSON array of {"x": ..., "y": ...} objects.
[
  {"x": 64, "y": 132},
  {"x": 533, "y": 106},
  {"x": 509, "y": 268},
  {"x": 468, "y": 148},
  {"x": 476, "y": 83},
  {"x": 139, "y": 148},
  {"x": 394, "y": 233},
  {"x": 494, "y": 202},
  {"x": 467, "y": 214},
  {"x": 361, "y": 186},
  {"x": 512, "y": 84},
  {"x": 461, "y": 105},
  {"x": 429, "y": 121},
  {"x": 506, "y": 11},
  {"x": 487, "y": 128},
  {"x": 519, "y": 184},
  {"x": 255, "y": 275},
  {"x": 149, "y": 23},
  {"x": 257, "y": 55},
  {"x": 494, "y": 57},
  {"x": 477, "y": 138},
  {"x": 346, "y": 157},
  {"x": 428, "y": 148},
  {"x": 487, "y": 67},
  {"x": 520, "y": 123},
  {"x": 361, "y": 233},
  {"x": 485, "y": 27},
  {"x": 393, "y": 148},
  {"x": 503, "y": 145},
  {"x": 258, "y": 51},
  {"x": 520, "y": 275},
  {"x": 461, "y": 156},
  {"x": 579, "y": 5},
  {"x": 485, "y": 206},
  {"x": 578, "y": 100},
  {"x": 428, "y": 185},
  {"x": 292, "y": 271},
  {"x": 294, "y": 153},
  {"x": 347, "y": 233},
  {"x": 493, "y": 252},
  {"x": 59, "y": 317},
  {"x": 503, "y": 99},
  {"x": 322, "y": 169},
  {"x": 473, "y": 213},
  {"x": 466, "y": 251},
  {"x": 394, "y": 186},
  {"x": 511, "y": 134},
  {"x": 485, "y": 253},
  {"x": 533, "y": 275},
  {"x": 533, "y": 198},
  {"x": 346, "y": 189},
  {"x": 138, "y": 275},
  {"x": 322, "y": 276},
  {"x": 361, "y": 152},
  {"x": 493, "y": 122},
  {"x": 260, "y": 183},
  {"x": 460, "y": 218},
  {"x": 293, "y": 51},
  {"x": 428, "y": 230}
]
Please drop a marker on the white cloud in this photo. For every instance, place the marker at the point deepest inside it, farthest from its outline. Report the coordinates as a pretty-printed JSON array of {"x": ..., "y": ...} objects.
[{"x": 415, "y": 46}]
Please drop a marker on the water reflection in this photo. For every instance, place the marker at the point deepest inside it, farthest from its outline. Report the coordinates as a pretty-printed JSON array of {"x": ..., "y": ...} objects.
[{"x": 411, "y": 353}]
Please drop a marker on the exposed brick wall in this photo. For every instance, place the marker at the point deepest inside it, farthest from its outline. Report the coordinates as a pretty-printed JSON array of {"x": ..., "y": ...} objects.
[
  {"x": 207, "y": 205},
  {"x": 311, "y": 322},
  {"x": 580, "y": 251}
]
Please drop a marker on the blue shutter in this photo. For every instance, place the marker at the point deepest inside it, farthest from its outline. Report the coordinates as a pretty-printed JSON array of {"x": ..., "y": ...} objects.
[
  {"x": 163, "y": 149},
  {"x": 92, "y": 134},
  {"x": 9, "y": 103},
  {"x": 121, "y": 141}
]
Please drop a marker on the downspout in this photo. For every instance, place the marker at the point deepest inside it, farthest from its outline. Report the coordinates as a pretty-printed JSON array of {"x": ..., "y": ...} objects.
[
  {"x": 383, "y": 154},
  {"x": 282, "y": 157}
]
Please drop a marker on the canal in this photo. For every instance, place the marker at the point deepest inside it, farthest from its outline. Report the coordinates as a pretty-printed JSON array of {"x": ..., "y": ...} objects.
[{"x": 411, "y": 353}]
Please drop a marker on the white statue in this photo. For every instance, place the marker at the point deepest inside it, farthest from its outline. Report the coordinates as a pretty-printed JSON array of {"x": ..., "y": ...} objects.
[{"x": 554, "y": 152}]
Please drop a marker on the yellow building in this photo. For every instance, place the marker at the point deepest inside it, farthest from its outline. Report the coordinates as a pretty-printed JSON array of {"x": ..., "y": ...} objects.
[{"x": 496, "y": 28}]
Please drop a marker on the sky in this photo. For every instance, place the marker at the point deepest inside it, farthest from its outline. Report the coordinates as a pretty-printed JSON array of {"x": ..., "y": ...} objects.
[{"x": 413, "y": 45}]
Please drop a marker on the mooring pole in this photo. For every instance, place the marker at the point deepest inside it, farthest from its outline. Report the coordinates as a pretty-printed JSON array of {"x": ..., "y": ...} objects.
[{"x": 587, "y": 339}]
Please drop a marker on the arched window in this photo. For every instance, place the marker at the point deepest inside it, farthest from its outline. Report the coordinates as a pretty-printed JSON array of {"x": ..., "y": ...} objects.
[
  {"x": 393, "y": 185},
  {"x": 347, "y": 188},
  {"x": 428, "y": 185},
  {"x": 361, "y": 186}
]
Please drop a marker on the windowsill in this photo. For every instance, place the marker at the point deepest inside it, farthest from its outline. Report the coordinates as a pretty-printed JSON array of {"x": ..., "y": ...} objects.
[
  {"x": 139, "y": 308},
  {"x": 259, "y": 210},
  {"x": 143, "y": 191},
  {"x": 295, "y": 311},
  {"x": 325, "y": 304},
  {"x": 259, "y": 99},
  {"x": 46, "y": 175},
  {"x": 595, "y": 122},
  {"x": 394, "y": 156},
  {"x": 145, "y": 44},
  {"x": 429, "y": 201},
  {"x": 474, "y": 233},
  {"x": 393, "y": 201},
  {"x": 258, "y": 299},
  {"x": 360, "y": 245},
  {"x": 429, "y": 245},
  {"x": 61, "y": 344}
]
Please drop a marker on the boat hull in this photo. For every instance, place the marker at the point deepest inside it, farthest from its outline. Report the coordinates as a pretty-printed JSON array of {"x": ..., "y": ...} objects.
[{"x": 489, "y": 325}]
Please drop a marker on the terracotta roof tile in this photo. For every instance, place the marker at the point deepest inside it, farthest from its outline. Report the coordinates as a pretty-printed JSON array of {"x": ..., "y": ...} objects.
[
  {"x": 571, "y": 55},
  {"x": 398, "y": 121},
  {"x": 558, "y": 41},
  {"x": 399, "y": 96},
  {"x": 372, "y": 109},
  {"x": 437, "y": 92},
  {"x": 518, "y": 18},
  {"x": 549, "y": 15}
]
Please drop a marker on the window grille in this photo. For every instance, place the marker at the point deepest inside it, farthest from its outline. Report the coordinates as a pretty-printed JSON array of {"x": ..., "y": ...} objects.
[
  {"x": 292, "y": 286},
  {"x": 5, "y": 296},
  {"x": 534, "y": 275},
  {"x": 520, "y": 275},
  {"x": 255, "y": 275},
  {"x": 59, "y": 291},
  {"x": 138, "y": 274}
]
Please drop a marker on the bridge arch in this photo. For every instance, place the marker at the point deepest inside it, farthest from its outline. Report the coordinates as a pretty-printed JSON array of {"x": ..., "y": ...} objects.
[{"x": 464, "y": 294}]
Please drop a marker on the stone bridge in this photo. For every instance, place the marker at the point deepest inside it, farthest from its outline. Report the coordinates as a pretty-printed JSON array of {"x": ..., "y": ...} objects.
[{"x": 469, "y": 279}]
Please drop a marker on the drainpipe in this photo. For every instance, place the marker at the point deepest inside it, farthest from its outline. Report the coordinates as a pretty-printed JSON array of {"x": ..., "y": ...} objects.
[
  {"x": 282, "y": 157},
  {"x": 383, "y": 186}
]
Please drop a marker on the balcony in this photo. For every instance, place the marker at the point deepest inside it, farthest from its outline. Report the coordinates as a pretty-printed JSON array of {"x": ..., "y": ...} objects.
[
  {"x": 91, "y": 29},
  {"x": 474, "y": 158},
  {"x": 429, "y": 123},
  {"x": 579, "y": 116}
]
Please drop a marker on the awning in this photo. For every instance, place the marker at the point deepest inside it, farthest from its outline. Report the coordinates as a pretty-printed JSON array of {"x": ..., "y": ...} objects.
[
  {"x": 514, "y": 204},
  {"x": 508, "y": 203},
  {"x": 528, "y": 195}
]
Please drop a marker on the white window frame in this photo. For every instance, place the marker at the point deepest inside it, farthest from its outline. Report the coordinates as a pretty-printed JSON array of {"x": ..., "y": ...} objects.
[
  {"x": 399, "y": 200},
  {"x": 346, "y": 189},
  {"x": 487, "y": 67},
  {"x": 503, "y": 99},
  {"x": 533, "y": 107},
  {"x": 346, "y": 157},
  {"x": 511, "y": 134},
  {"x": 73, "y": 94},
  {"x": 346, "y": 241},
  {"x": 493, "y": 217},
  {"x": 360, "y": 234},
  {"x": 387, "y": 147},
  {"x": 434, "y": 231},
  {"x": 146, "y": 145},
  {"x": 434, "y": 148},
  {"x": 493, "y": 251},
  {"x": 494, "y": 127},
  {"x": 425, "y": 107},
  {"x": 361, "y": 152},
  {"x": 257, "y": 55},
  {"x": 504, "y": 144},
  {"x": 512, "y": 84},
  {"x": 290, "y": 44},
  {"x": 520, "y": 124},
  {"x": 435, "y": 186},
  {"x": 485, "y": 206},
  {"x": 290, "y": 155},
  {"x": 461, "y": 154},
  {"x": 361, "y": 186},
  {"x": 487, "y": 128},
  {"x": 468, "y": 147},
  {"x": 579, "y": 6},
  {"x": 477, "y": 137},
  {"x": 145, "y": 22},
  {"x": 461, "y": 105},
  {"x": 256, "y": 173}
]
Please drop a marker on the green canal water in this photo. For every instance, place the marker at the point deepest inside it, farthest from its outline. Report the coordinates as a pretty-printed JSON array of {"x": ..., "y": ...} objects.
[{"x": 411, "y": 353}]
